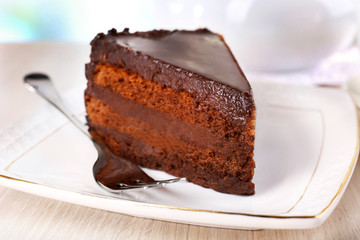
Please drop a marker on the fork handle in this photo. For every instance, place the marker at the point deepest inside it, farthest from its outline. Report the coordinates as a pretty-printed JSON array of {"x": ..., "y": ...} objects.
[{"x": 43, "y": 86}]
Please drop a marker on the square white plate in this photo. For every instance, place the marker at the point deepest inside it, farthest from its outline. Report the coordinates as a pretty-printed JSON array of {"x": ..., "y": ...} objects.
[{"x": 307, "y": 143}]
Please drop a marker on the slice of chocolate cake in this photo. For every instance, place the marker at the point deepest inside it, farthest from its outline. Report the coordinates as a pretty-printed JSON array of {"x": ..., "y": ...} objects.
[{"x": 175, "y": 101}]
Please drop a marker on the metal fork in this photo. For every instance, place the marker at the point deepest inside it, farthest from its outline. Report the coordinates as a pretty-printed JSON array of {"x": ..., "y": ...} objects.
[{"x": 135, "y": 177}]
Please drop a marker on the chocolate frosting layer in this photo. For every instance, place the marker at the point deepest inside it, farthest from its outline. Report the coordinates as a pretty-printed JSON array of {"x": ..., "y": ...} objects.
[
  {"x": 198, "y": 62},
  {"x": 162, "y": 122}
]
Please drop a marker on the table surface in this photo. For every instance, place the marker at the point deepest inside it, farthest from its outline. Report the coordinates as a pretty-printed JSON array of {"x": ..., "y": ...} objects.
[{"x": 26, "y": 216}]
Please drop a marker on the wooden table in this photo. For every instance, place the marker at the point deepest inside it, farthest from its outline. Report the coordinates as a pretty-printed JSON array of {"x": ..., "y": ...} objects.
[{"x": 25, "y": 216}]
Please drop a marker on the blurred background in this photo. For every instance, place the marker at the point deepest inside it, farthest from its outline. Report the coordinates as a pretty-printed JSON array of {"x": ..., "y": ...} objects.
[{"x": 265, "y": 35}]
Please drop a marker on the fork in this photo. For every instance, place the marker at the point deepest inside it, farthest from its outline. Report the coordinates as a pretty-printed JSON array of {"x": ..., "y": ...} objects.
[{"x": 131, "y": 177}]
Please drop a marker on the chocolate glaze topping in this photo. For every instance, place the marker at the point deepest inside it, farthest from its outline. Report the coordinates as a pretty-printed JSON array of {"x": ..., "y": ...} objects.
[{"x": 198, "y": 62}]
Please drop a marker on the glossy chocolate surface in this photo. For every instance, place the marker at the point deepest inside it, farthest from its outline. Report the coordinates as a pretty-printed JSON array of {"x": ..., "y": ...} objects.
[
  {"x": 198, "y": 62},
  {"x": 201, "y": 52}
]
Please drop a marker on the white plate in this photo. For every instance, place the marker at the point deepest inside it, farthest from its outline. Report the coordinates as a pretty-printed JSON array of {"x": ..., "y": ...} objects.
[{"x": 307, "y": 142}]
